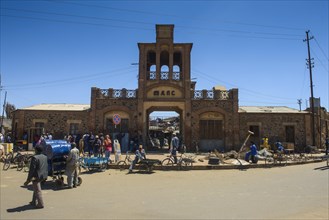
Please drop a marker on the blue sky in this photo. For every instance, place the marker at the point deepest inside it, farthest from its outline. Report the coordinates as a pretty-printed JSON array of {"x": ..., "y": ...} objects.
[{"x": 55, "y": 51}]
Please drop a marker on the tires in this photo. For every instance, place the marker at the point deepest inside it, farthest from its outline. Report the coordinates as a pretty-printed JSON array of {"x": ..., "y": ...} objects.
[
  {"x": 189, "y": 162},
  {"x": 122, "y": 165},
  {"x": 27, "y": 163},
  {"x": 282, "y": 160},
  {"x": 79, "y": 181},
  {"x": 7, "y": 161},
  {"x": 167, "y": 163},
  {"x": 19, "y": 160},
  {"x": 269, "y": 160},
  {"x": 103, "y": 167},
  {"x": 144, "y": 168},
  {"x": 183, "y": 165},
  {"x": 20, "y": 165}
]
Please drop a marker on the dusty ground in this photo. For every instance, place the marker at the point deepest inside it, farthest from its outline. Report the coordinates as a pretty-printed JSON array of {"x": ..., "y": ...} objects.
[{"x": 292, "y": 192}]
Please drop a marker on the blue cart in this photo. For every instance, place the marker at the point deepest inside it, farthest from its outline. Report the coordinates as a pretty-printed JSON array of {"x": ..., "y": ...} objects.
[
  {"x": 94, "y": 163},
  {"x": 56, "y": 152}
]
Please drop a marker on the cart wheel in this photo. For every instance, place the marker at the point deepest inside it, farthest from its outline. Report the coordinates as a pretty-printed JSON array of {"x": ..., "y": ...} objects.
[
  {"x": 20, "y": 165},
  {"x": 122, "y": 165},
  {"x": 143, "y": 167},
  {"x": 167, "y": 163},
  {"x": 59, "y": 182},
  {"x": 79, "y": 181},
  {"x": 183, "y": 165},
  {"x": 6, "y": 165},
  {"x": 27, "y": 163},
  {"x": 103, "y": 167},
  {"x": 7, "y": 162}
]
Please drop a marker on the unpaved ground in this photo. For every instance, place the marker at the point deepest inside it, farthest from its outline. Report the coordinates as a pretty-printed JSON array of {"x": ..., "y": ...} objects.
[{"x": 293, "y": 192}]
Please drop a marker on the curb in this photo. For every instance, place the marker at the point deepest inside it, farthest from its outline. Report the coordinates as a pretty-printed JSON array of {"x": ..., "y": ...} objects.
[{"x": 224, "y": 167}]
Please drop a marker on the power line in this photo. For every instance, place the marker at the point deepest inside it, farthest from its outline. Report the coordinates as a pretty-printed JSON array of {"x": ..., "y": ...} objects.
[
  {"x": 72, "y": 22},
  {"x": 69, "y": 80},
  {"x": 176, "y": 16},
  {"x": 254, "y": 93},
  {"x": 321, "y": 48},
  {"x": 139, "y": 22}
]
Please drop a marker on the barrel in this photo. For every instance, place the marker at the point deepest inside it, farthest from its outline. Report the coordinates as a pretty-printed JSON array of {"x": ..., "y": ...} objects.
[{"x": 56, "y": 148}]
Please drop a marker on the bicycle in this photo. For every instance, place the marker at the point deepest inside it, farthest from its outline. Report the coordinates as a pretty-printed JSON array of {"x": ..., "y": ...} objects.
[
  {"x": 122, "y": 164},
  {"x": 18, "y": 159},
  {"x": 183, "y": 161},
  {"x": 277, "y": 158}
]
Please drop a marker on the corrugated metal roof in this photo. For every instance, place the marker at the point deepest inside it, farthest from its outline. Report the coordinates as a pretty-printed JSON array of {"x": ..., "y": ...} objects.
[
  {"x": 268, "y": 109},
  {"x": 58, "y": 107}
]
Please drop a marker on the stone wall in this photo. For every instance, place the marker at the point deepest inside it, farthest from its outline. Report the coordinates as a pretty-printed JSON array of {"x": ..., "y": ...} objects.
[
  {"x": 272, "y": 125},
  {"x": 56, "y": 122}
]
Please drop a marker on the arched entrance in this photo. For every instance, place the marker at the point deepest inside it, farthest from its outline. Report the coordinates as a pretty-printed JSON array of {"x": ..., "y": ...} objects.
[{"x": 162, "y": 122}]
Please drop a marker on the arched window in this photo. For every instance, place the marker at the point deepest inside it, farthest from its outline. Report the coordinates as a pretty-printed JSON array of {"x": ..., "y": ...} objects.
[
  {"x": 151, "y": 65},
  {"x": 164, "y": 72},
  {"x": 176, "y": 73},
  {"x": 152, "y": 72}
]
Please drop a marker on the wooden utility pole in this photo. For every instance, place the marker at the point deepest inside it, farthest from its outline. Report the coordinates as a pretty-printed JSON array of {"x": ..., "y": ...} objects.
[
  {"x": 310, "y": 66},
  {"x": 3, "y": 113}
]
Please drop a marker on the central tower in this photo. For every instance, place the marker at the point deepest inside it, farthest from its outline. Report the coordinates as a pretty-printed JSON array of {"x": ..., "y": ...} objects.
[{"x": 164, "y": 80}]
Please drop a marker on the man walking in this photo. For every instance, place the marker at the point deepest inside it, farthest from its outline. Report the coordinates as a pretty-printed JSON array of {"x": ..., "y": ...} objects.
[{"x": 38, "y": 172}]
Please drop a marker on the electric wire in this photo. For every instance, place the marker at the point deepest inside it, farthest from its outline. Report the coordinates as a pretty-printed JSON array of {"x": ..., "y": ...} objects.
[
  {"x": 254, "y": 93},
  {"x": 84, "y": 78},
  {"x": 177, "y": 16}
]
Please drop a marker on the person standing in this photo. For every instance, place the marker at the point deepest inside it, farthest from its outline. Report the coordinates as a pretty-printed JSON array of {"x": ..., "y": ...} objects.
[
  {"x": 96, "y": 146},
  {"x": 174, "y": 146},
  {"x": 108, "y": 147},
  {"x": 117, "y": 150},
  {"x": 38, "y": 172},
  {"x": 72, "y": 166}
]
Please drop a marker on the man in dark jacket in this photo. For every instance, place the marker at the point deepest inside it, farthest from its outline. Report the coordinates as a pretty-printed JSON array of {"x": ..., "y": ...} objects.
[{"x": 38, "y": 172}]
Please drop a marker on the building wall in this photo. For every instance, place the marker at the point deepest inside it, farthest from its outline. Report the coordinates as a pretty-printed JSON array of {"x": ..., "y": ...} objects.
[
  {"x": 272, "y": 126},
  {"x": 56, "y": 122}
]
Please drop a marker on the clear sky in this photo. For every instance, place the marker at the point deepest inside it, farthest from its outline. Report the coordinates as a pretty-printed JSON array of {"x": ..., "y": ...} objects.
[{"x": 55, "y": 51}]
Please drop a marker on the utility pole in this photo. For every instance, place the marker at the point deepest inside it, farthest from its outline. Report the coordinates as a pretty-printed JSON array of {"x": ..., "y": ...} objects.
[
  {"x": 310, "y": 66},
  {"x": 299, "y": 101},
  {"x": 3, "y": 112}
]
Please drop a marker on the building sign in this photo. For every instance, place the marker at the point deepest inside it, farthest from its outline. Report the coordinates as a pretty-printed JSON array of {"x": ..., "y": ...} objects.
[{"x": 164, "y": 92}]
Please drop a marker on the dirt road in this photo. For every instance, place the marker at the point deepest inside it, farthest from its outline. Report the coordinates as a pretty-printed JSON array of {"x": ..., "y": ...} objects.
[{"x": 293, "y": 192}]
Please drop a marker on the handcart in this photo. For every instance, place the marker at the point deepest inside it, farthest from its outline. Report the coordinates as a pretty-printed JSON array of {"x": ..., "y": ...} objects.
[
  {"x": 94, "y": 163},
  {"x": 148, "y": 164},
  {"x": 56, "y": 152}
]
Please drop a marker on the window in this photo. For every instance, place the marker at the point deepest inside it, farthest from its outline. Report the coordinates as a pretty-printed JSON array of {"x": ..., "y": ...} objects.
[
  {"x": 74, "y": 127},
  {"x": 255, "y": 130},
  {"x": 290, "y": 134},
  {"x": 152, "y": 73},
  {"x": 211, "y": 129}
]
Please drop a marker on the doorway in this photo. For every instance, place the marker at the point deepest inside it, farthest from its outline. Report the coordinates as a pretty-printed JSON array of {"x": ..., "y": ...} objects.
[{"x": 160, "y": 127}]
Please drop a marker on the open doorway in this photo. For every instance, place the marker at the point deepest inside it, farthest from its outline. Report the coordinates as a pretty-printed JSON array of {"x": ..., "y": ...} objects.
[{"x": 161, "y": 126}]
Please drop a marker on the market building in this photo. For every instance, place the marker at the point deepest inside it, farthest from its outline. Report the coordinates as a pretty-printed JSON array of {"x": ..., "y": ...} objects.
[{"x": 208, "y": 119}]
